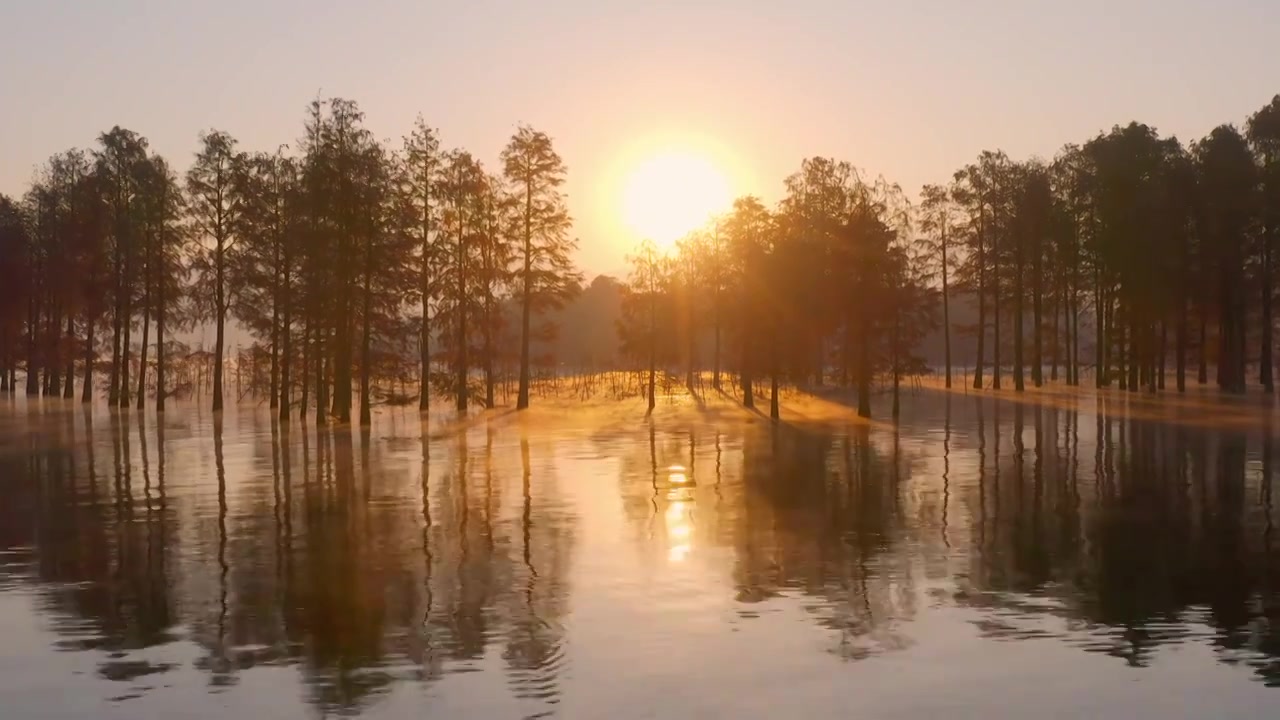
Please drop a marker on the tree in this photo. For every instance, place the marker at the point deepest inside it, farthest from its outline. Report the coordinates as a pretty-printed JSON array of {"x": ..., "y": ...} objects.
[
  {"x": 544, "y": 273},
  {"x": 215, "y": 214},
  {"x": 166, "y": 238},
  {"x": 260, "y": 271},
  {"x": 420, "y": 166},
  {"x": 15, "y": 288},
  {"x": 818, "y": 201},
  {"x": 865, "y": 262},
  {"x": 748, "y": 228},
  {"x": 1263, "y": 130},
  {"x": 910, "y": 308},
  {"x": 691, "y": 272},
  {"x": 461, "y": 188},
  {"x": 649, "y": 281},
  {"x": 939, "y": 221},
  {"x": 492, "y": 271},
  {"x": 121, "y": 154},
  {"x": 1229, "y": 181}
]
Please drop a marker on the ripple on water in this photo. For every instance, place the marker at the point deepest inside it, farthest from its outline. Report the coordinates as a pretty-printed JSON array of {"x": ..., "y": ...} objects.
[{"x": 508, "y": 567}]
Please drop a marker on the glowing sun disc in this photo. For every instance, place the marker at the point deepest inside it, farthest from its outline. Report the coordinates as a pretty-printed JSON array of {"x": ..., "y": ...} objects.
[{"x": 671, "y": 194}]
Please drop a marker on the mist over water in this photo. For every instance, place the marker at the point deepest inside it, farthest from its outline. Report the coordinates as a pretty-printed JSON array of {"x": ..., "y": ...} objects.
[{"x": 1057, "y": 555}]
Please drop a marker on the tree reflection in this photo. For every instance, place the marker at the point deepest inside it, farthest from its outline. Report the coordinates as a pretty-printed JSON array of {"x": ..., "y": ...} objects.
[
  {"x": 1170, "y": 530},
  {"x": 318, "y": 549}
]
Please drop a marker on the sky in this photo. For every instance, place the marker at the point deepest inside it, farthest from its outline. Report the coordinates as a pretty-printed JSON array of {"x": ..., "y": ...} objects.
[{"x": 910, "y": 90}]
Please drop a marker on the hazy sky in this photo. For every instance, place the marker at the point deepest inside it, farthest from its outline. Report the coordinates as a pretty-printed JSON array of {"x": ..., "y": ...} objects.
[{"x": 907, "y": 89}]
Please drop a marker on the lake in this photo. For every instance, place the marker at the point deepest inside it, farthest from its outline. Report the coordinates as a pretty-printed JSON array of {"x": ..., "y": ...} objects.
[{"x": 1050, "y": 556}]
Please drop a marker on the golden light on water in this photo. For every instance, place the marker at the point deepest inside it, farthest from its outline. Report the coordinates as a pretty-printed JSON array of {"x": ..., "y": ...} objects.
[{"x": 679, "y": 521}]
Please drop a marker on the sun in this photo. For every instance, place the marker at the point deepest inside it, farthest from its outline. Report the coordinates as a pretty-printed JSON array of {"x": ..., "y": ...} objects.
[{"x": 671, "y": 193}]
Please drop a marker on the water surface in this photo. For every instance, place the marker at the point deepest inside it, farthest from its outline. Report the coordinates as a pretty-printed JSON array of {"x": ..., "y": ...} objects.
[{"x": 1072, "y": 558}]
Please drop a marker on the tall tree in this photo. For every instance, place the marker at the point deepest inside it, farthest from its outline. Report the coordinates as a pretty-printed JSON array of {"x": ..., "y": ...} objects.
[
  {"x": 544, "y": 273},
  {"x": 749, "y": 229},
  {"x": 1264, "y": 136},
  {"x": 162, "y": 217},
  {"x": 939, "y": 220},
  {"x": 260, "y": 271},
  {"x": 120, "y": 156},
  {"x": 643, "y": 307},
  {"x": 1229, "y": 181},
  {"x": 420, "y": 167},
  {"x": 214, "y": 212},
  {"x": 462, "y": 183}
]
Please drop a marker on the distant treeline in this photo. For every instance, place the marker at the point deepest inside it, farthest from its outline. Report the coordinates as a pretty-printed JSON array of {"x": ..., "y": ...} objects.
[
  {"x": 352, "y": 262},
  {"x": 1166, "y": 252}
]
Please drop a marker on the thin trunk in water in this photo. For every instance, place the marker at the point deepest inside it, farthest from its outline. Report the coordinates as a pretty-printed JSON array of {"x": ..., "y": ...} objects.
[
  {"x": 220, "y": 332},
  {"x": 982, "y": 302},
  {"x": 526, "y": 299},
  {"x": 86, "y": 390},
  {"x": 1265, "y": 373},
  {"x": 946, "y": 309},
  {"x": 69, "y": 386},
  {"x": 142, "y": 355},
  {"x": 1099, "y": 346}
]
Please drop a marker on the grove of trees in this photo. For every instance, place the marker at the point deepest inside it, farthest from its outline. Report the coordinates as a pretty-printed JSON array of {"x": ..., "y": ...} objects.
[
  {"x": 342, "y": 258},
  {"x": 357, "y": 267},
  {"x": 1165, "y": 249}
]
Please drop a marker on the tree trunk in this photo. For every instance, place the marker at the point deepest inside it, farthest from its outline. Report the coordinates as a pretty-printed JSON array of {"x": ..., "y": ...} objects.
[
  {"x": 274, "y": 400},
  {"x": 715, "y": 365},
  {"x": 691, "y": 339},
  {"x": 53, "y": 361},
  {"x": 488, "y": 349},
  {"x": 462, "y": 336},
  {"x": 864, "y": 366},
  {"x": 747, "y": 369},
  {"x": 1099, "y": 347},
  {"x": 1055, "y": 337},
  {"x": 33, "y": 367},
  {"x": 142, "y": 354},
  {"x": 1072, "y": 330},
  {"x": 653, "y": 345},
  {"x": 982, "y": 303},
  {"x": 162, "y": 308},
  {"x": 1135, "y": 356},
  {"x": 1264, "y": 360},
  {"x": 774, "y": 410},
  {"x": 220, "y": 320},
  {"x": 366, "y": 356},
  {"x": 424, "y": 336},
  {"x": 146, "y": 321},
  {"x": 322, "y": 384},
  {"x": 1180, "y": 340},
  {"x": 946, "y": 310},
  {"x": 86, "y": 391},
  {"x": 1037, "y": 316},
  {"x": 1161, "y": 354},
  {"x": 286, "y": 354},
  {"x": 126, "y": 348},
  {"x": 308, "y": 343},
  {"x": 1019, "y": 316},
  {"x": 995, "y": 283},
  {"x": 896, "y": 369},
  {"x": 69, "y": 385},
  {"x": 526, "y": 300},
  {"x": 117, "y": 331}
]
